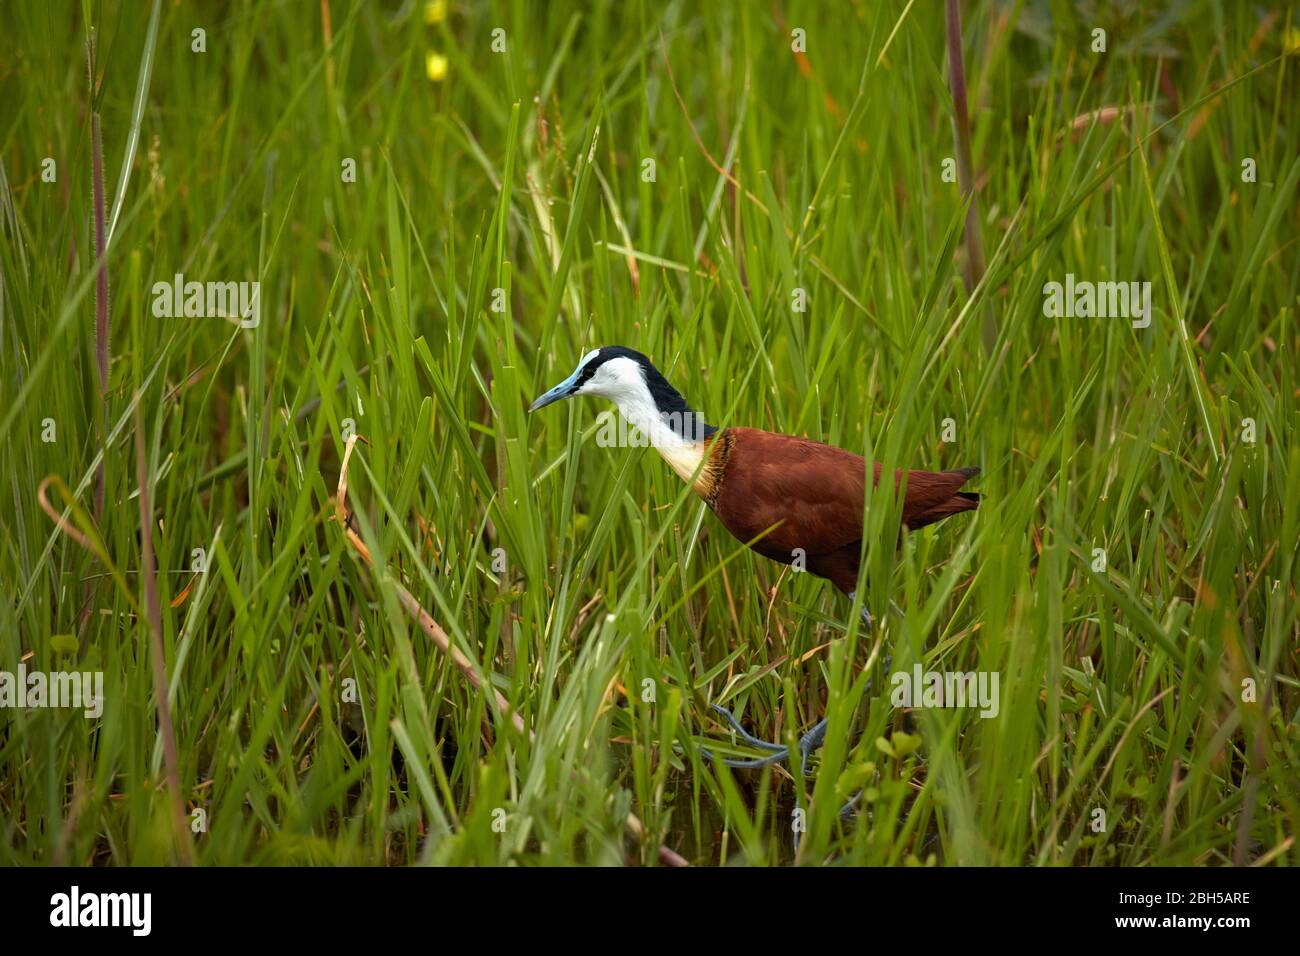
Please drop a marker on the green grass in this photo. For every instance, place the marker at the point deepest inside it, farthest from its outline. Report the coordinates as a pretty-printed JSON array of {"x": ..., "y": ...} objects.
[{"x": 1120, "y": 690}]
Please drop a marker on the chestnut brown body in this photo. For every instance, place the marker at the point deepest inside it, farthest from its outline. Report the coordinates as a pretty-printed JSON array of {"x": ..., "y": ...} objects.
[{"x": 792, "y": 493}]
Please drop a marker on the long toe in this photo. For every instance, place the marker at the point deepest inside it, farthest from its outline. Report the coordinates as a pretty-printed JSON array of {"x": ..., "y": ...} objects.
[
  {"x": 846, "y": 811},
  {"x": 754, "y": 764},
  {"x": 776, "y": 753},
  {"x": 749, "y": 738}
]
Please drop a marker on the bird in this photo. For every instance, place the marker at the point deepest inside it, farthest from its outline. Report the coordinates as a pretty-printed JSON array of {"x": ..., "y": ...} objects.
[{"x": 788, "y": 498}]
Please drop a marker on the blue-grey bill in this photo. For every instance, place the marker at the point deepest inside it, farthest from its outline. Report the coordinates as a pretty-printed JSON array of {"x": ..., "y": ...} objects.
[{"x": 554, "y": 395}]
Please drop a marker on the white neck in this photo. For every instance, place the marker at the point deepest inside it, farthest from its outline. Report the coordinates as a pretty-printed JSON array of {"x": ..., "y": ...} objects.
[
  {"x": 622, "y": 382},
  {"x": 682, "y": 454},
  {"x": 642, "y": 412}
]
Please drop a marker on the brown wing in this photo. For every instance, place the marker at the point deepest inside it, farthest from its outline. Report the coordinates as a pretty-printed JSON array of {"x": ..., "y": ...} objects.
[{"x": 813, "y": 493}]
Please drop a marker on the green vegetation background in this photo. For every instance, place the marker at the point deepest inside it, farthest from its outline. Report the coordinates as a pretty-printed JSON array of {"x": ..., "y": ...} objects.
[{"x": 316, "y": 722}]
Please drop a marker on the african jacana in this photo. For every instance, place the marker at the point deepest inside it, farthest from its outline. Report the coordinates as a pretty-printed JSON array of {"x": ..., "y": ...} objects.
[{"x": 788, "y": 498}]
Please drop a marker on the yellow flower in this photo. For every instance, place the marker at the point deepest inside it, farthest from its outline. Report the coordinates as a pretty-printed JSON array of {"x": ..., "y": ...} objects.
[
  {"x": 435, "y": 11},
  {"x": 435, "y": 65}
]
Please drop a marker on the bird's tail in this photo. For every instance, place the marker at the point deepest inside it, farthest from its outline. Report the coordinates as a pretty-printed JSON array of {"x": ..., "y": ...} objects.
[
  {"x": 959, "y": 502},
  {"x": 974, "y": 496}
]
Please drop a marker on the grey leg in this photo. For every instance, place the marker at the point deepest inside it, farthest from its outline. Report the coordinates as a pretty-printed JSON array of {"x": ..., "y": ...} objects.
[
  {"x": 809, "y": 743},
  {"x": 867, "y": 619}
]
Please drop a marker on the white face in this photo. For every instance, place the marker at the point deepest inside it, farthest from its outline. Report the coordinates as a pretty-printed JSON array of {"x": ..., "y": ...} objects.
[{"x": 620, "y": 380}]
